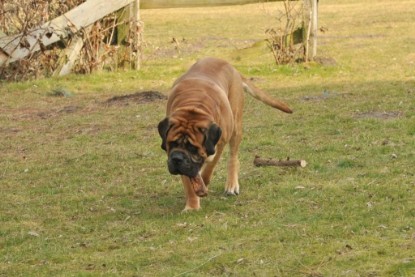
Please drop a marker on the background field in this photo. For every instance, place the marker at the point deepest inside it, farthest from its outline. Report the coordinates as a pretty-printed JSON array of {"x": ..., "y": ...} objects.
[{"x": 85, "y": 190}]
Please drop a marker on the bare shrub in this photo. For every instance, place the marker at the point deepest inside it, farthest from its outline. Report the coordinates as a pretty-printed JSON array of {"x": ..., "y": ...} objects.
[
  {"x": 22, "y": 15},
  {"x": 286, "y": 39}
]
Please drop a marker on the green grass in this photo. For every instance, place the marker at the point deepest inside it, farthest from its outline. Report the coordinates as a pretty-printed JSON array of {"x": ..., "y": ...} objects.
[{"x": 85, "y": 190}]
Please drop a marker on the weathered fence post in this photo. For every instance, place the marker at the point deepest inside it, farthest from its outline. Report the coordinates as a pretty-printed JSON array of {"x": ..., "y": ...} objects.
[
  {"x": 314, "y": 14},
  {"x": 68, "y": 57},
  {"x": 311, "y": 11},
  {"x": 136, "y": 30}
]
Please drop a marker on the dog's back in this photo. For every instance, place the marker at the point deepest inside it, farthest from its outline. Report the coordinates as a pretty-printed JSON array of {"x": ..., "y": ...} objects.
[
  {"x": 213, "y": 70},
  {"x": 224, "y": 75}
]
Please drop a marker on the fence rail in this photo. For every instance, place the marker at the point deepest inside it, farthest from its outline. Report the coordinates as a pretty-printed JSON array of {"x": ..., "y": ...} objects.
[{"x": 16, "y": 47}]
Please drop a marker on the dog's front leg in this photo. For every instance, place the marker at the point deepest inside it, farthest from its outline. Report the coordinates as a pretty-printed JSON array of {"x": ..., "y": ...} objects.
[
  {"x": 232, "y": 183},
  {"x": 192, "y": 200}
]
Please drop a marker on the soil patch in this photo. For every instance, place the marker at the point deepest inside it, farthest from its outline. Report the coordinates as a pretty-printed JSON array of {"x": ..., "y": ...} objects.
[
  {"x": 325, "y": 95},
  {"x": 55, "y": 112},
  {"x": 325, "y": 61},
  {"x": 141, "y": 97},
  {"x": 378, "y": 115}
]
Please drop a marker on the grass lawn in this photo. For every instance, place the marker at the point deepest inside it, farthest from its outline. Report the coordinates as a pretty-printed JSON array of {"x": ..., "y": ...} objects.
[{"x": 85, "y": 189}]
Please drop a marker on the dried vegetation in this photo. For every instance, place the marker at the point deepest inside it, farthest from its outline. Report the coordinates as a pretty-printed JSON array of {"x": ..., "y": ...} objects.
[{"x": 106, "y": 43}]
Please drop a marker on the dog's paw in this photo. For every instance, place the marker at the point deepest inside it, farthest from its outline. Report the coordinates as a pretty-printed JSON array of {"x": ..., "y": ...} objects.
[
  {"x": 230, "y": 192},
  {"x": 190, "y": 209},
  {"x": 232, "y": 189}
]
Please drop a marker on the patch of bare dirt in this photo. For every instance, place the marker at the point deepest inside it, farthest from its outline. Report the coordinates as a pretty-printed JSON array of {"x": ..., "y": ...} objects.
[
  {"x": 9, "y": 130},
  {"x": 33, "y": 114},
  {"x": 325, "y": 95},
  {"x": 325, "y": 61},
  {"x": 378, "y": 115},
  {"x": 136, "y": 98}
]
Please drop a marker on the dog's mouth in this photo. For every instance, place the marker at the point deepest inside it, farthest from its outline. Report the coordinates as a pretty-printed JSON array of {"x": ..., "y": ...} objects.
[{"x": 199, "y": 186}]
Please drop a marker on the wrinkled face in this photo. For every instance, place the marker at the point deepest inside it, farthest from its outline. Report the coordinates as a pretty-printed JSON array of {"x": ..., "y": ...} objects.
[{"x": 187, "y": 144}]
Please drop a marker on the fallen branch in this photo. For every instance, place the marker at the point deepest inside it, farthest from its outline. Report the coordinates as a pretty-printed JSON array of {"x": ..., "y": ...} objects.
[{"x": 258, "y": 161}]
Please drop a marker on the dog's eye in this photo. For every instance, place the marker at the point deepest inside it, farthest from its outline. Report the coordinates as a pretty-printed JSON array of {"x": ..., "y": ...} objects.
[
  {"x": 192, "y": 148},
  {"x": 174, "y": 144}
]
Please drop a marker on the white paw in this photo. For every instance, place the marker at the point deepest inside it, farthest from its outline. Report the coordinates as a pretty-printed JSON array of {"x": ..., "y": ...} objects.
[
  {"x": 232, "y": 191},
  {"x": 189, "y": 209}
]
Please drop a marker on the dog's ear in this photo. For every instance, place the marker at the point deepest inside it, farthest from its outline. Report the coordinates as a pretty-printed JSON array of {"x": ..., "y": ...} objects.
[
  {"x": 163, "y": 128},
  {"x": 212, "y": 137}
]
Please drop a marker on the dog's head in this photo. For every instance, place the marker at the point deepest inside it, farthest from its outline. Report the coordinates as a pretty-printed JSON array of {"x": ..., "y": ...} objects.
[{"x": 188, "y": 143}]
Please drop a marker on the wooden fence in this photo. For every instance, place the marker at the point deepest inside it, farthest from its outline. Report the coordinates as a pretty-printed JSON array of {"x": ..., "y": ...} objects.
[
  {"x": 16, "y": 47},
  {"x": 80, "y": 18}
]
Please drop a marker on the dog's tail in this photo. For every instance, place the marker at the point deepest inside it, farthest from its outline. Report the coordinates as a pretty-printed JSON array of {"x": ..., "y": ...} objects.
[{"x": 265, "y": 98}]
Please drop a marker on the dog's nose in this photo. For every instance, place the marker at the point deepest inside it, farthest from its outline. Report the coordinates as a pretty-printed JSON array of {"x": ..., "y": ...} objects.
[{"x": 177, "y": 157}]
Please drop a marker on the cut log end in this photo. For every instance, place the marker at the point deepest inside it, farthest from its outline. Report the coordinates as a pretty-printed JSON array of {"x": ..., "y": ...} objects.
[{"x": 258, "y": 161}]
